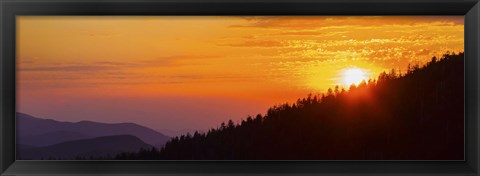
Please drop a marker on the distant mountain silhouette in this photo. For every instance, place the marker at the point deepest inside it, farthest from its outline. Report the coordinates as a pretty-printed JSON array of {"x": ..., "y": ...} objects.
[
  {"x": 41, "y": 132},
  {"x": 23, "y": 146},
  {"x": 51, "y": 138},
  {"x": 96, "y": 147},
  {"x": 418, "y": 115}
]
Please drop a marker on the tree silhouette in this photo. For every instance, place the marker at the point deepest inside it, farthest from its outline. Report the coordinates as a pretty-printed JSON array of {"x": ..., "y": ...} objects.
[{"x": 416, "y": 115}]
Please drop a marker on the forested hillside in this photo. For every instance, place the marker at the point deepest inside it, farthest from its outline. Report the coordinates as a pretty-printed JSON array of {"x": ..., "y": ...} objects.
[{"x": 414, "y": 115}]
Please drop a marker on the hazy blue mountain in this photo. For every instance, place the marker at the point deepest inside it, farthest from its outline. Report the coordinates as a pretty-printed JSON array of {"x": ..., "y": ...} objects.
[
  {"x": 23, "y": 146},
  {"x": 51, "y": 138},
  {"x": 40, "y": 132},
  {"x": 95, "y": 147}
]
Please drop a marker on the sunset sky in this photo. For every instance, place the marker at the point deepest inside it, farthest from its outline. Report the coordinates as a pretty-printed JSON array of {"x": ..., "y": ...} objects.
[{"x": 178, "y": 73}]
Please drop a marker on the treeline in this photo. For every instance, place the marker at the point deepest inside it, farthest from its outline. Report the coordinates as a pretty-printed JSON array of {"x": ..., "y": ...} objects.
[{"x": 415, "y": 115}]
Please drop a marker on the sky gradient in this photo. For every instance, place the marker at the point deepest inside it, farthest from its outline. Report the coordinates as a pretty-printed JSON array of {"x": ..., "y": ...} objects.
[{"x": 195, "y": 72}]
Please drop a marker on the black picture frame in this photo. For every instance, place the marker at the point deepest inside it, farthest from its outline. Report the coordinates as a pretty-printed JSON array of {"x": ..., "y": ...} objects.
[{"x": 9, "y": 9}]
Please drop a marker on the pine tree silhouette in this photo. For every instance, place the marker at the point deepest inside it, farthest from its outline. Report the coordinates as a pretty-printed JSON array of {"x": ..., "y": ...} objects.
[{"x": 416, "y": 115}]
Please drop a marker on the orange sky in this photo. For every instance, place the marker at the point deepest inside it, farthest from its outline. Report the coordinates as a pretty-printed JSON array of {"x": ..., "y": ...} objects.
[{"x": 195, "y": 72}]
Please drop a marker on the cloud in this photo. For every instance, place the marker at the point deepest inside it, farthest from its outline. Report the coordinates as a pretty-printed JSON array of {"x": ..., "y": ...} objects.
[
  {"x": 301, "y": 33},
  {"x": 69, "y": 68},
  {"x": 317, "y": 22},
  {"x": 175, "y": 60},
  {"x": 256, "y": 43},
  {"x": 159, "y": 61},
  {"x": 111, "y": 65},
  {"x": 278, "y": 22},
  {"x": 26, "y": 62}
]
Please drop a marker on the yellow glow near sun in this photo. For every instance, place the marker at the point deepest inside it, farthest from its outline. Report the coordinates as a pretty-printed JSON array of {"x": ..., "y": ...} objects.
[{"x": 353, "y": 76}]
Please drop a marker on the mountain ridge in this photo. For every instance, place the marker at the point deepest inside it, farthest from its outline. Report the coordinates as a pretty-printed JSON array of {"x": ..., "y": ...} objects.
[
  {"x": 29, "y": 126},
  {"x": 418, "y": 115},
  {"x": 93, "y": 147}
]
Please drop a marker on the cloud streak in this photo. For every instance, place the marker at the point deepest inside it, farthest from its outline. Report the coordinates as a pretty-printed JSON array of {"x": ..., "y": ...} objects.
[
  {"x": 168, "y": 61},
  {"x": 69, "y": 68},
  {"x": 318, "y": 22}
]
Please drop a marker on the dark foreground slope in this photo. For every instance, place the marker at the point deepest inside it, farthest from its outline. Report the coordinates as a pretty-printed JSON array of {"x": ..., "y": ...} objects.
[
  {"x": 415, "y": 116},
  {"x": 86, "y": 148}
]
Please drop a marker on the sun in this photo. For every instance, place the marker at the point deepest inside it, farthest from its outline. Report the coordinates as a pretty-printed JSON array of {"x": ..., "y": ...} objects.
[{"x": 353, "y": 76}]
